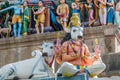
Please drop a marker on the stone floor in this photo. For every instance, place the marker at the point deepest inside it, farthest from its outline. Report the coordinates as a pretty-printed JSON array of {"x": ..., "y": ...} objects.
[{"x": 106, "y": 78}]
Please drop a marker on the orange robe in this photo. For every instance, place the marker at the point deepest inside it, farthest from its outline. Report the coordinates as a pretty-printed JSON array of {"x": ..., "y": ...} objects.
[{"x": 83, "y": 57}]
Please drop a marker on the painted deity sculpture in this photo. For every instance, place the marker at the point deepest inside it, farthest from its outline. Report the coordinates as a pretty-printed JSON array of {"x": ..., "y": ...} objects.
[
  {"x": 102, "y": 11},
  {"x": 96, "y": 9},
  {"x": 38, "y": 66},
  {"x": 63, "y": 12},
  {"x": 90, "y": 11},
  {"x": 117, "y": 14},
  {"x": 26, "y": 18},
  {"x": 74, "y": 56},
  {"x": 41, "y": 17},
  {"x": 16, "y": 18},
  {"x": 110, "y": 12},
  {"x": 76, "y": 6}
]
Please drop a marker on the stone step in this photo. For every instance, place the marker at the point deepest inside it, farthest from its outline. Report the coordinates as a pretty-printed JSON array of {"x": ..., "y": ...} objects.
[
  {"x": 78, "y": 77},
  {"x": 82, "y": 76},
  {"x": 107, "y": 78},
  {"x": 117, "y": 34}
]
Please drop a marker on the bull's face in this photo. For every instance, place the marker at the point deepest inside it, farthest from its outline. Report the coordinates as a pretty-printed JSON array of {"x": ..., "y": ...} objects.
[
  {"x": 48, "y": 49},
  {"x": 76, "y": 32}
]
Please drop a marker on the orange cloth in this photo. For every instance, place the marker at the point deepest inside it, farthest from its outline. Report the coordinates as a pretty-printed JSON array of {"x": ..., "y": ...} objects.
[
  {"x": 41, "y": 18},
  {"x": 16, "y": 19},
  {"x": 84, "y": 58},
  {"x": 102, "y": 6}
]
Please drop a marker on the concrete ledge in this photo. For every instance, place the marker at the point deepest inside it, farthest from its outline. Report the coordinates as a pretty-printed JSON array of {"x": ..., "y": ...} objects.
[
  {"x": 23, "y": 41},
  {"x": 110, "y": 73},
  {"x": 112, "y": 62}
]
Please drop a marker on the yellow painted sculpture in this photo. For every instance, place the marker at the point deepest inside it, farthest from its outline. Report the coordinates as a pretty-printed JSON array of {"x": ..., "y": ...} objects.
[
  {"x": 74, "y": 21},
  {"x": 41, "y": 17}
]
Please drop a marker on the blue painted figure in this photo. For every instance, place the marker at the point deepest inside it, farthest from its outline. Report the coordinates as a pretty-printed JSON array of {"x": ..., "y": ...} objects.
[
  {"x": 76, "y": 8},
  {"x": 110, "y": 12},
  {"x": 16, "y": 17}
]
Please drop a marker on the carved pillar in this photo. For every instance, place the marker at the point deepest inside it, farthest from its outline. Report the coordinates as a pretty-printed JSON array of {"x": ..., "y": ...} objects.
[{"x": 47, "y": 19}]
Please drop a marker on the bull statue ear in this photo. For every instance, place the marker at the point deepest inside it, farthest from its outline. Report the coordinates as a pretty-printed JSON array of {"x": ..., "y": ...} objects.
[
  {"x": 67, "y": 30},
  {"x": 54, "y": 42},
  {"x": 43, "y": 42},
  {"x": 81, "y": 28}
]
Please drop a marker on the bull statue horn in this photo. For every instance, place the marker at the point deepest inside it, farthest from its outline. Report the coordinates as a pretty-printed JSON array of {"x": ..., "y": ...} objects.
[
  {"x": 96, "y": 41},
  {"x": 58, "y": 35}
]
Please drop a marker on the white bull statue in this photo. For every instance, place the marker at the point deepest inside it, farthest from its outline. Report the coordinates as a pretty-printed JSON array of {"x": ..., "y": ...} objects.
[{"x": 31, "y": 68}]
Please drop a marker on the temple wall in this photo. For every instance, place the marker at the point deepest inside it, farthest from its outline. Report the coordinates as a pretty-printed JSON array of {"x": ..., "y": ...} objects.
[{"x": 17, "y": 49}]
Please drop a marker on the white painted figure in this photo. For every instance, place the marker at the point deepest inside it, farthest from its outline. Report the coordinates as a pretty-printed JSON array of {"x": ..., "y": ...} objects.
[{"x": 31, "y": 68}]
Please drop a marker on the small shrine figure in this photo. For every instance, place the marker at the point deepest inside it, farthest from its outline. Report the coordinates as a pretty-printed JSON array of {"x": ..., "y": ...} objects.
[
  {"x": 102, "y": 11},
  {"x": 96, "y": 9},
  {"x": 26, "y": 18},
  {"x": 117, "y": 14},
  {"x": 76, "y": 6},
  {"x": 41, "y": 17},
  {"x": 17, "y": 19},
  {"x": 63, "y": 12},
  {"x": 110, "y": 12},
  {"x": 90, "y": 7}
]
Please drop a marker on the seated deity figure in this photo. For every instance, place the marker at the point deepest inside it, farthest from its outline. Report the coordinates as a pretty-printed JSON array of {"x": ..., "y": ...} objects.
[
  {"x": 74, "y": 56},
  {"x": 63, "y": 13}
]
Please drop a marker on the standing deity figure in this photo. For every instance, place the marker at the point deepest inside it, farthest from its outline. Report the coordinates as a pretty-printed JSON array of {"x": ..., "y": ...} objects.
[
  {"x": 41, "y": 17},
  {"x": 26, "y": 18},
  {"x": 102, "y": 11},
  {"x": 110, "y": 12},
  {"x": 17, "y": 17},
  {"x": 117, "y": 14},
  {"x": 76, "y": 6},
  {"x": 63, "y": 13},
  {"x": 96, "y": 9},
  {"x": 90, "y": 7}
]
